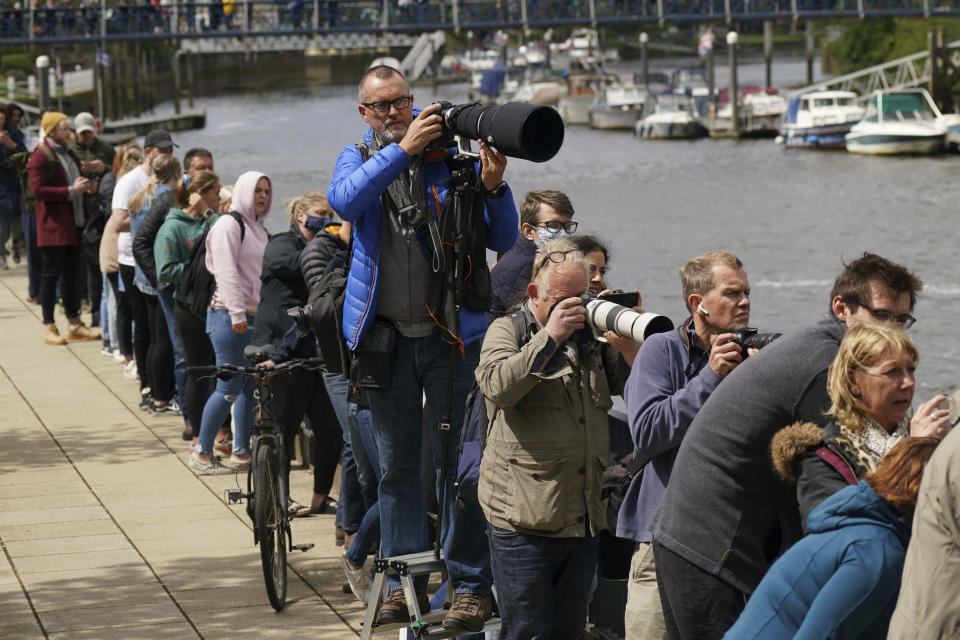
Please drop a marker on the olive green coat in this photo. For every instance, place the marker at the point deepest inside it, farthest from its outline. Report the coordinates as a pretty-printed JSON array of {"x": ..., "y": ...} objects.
[{"x": 548, "y": 442}]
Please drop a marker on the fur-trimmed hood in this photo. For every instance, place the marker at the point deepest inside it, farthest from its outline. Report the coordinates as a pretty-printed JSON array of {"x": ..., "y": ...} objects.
[{"x": 790, "y": 443}]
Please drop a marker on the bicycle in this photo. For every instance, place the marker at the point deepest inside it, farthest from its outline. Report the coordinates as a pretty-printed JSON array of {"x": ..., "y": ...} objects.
[{"x": 266, "y": 493}]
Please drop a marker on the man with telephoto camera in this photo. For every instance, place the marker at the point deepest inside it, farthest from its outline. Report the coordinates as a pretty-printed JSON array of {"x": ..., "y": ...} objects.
[
  {"x": 393, "y": 188},
  {"x": 540, "y": 476},
  {"x": 725, "y": 516},
  {"x": 672, "y": 377}
]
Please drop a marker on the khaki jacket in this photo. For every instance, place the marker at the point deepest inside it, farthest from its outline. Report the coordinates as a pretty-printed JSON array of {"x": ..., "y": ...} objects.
[
  {"x": 928, "y": 607},
  {"x": 549, "y": 442}
]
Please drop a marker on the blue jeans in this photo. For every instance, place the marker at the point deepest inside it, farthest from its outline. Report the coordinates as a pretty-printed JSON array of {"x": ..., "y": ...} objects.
[
  {"x": 34, "y": 256},
  {"x": 165, "y": 296},
  {"x": 542, "y": 584},
  {"x": 352, "y": 504},
  {"x": 228, "y": 346},
  {"x": 420, "y": 367},
  {"x": 361, "y": 431}
]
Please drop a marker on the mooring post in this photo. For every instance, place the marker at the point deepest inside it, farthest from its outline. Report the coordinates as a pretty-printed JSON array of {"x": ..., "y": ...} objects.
[
  {"x": 43, "y": 82},
  {"x": 644, "y": 63},
  {"x": 732, "y": 39},
  {"x": 712, "y": 81},
  {"x": 177, "y": 84},
  {"x": 768, "y": 52},
  {"x": 190, "y": 79},
  {"x": 809, "y": 40}
]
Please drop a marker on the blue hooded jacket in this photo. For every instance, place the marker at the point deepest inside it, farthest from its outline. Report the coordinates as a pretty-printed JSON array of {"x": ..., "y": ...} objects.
[
  {"x": 355, "y": 193},
  {"x": 841, "y": 581}
]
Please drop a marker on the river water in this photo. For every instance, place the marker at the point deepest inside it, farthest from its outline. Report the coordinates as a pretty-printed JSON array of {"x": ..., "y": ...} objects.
[{"x": 793, "y": 217}]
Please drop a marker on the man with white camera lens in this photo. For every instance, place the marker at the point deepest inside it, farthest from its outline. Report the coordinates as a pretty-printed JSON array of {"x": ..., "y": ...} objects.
[
  {"x": 673, "y": 375},
  {"x": 393, "y": 187},
  {"x": 548, "y": 394}
]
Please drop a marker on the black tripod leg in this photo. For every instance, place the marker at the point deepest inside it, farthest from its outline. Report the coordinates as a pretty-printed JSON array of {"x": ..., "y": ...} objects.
[{"x": 444, "y": 426}]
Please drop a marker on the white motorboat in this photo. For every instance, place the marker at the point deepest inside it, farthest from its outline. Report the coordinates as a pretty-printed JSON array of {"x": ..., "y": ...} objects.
[
  {"x": 619, "y": 107},
  {"x": 673, "y": 117},
  {"x": 904, "y": 121},
  {"x": 819, "y": 120}
]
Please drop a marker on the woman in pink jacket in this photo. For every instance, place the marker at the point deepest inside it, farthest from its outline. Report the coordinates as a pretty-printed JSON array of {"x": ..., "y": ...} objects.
[{"x": 235, "y": 261}]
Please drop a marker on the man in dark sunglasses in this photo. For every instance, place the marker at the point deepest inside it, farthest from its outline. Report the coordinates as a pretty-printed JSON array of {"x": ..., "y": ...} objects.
[{"x": 393, "y": 188}]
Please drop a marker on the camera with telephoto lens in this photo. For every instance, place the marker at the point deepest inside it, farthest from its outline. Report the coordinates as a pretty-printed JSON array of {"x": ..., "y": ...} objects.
[
  {"x": 516, "y": 129},
  {"x": 752, "y": 338},
  {"x": 604, "y": 315}
]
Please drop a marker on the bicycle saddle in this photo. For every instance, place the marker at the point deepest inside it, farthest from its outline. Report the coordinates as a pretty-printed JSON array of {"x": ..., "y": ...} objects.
[{"x": 258, "y": 353}]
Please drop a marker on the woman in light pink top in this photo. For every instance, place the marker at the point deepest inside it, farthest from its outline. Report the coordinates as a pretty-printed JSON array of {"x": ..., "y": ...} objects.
[{"x": 234, "y": 259}]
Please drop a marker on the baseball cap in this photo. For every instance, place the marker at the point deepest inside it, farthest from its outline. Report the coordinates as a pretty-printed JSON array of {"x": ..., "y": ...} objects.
[
  {"x": 84, "y": 122},
  {"x": 160, "y": 139}
]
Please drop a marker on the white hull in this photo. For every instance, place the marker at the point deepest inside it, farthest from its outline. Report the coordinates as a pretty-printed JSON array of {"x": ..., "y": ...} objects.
[
  {"x": 614, "y": 118},
  {"x": 666, "y": 130},
  {"x": 576, "y": 109},
  {"x": 894, "y": 146}
]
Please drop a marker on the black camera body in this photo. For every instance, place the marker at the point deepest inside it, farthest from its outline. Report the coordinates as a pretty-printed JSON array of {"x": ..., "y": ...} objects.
[{"x": 752, "y": 338}]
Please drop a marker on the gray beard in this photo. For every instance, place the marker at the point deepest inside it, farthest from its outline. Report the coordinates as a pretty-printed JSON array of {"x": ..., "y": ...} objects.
[{"x": 385, "y": 136}]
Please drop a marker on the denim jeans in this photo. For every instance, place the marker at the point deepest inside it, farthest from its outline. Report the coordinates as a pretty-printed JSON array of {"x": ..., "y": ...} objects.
[
  {"x": 420, "y": 367},
  {"x": 352, "y": 504},
  {"x": 179, "y": 364},
  {"x": 542, "y": 584},
  {"x": 108, "y": 315},
  {"x": 34, "y": 255},
  {"x": 238, "y": 392},
  {"x": 368, "y": 535}
]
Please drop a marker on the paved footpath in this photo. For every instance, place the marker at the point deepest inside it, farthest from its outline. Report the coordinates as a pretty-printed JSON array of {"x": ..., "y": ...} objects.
[{"x": 107, "y": 533}]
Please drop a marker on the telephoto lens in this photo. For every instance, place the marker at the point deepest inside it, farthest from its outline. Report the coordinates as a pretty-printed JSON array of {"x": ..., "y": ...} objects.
[
  {"x": 603, "y": 315},
  {"x": 516, "y": 129}
]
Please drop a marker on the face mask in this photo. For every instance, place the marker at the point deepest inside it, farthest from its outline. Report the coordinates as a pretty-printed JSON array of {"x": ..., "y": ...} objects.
[
  {"x": 544, "y": 235},
  {"x": 315, "y": 223}
]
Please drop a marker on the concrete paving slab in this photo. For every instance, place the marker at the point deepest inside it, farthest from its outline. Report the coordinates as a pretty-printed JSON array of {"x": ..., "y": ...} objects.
[
  {"x": 199, "y": 530},
  {"x": 117, "y": 576},
  {"x": 42, "y": 489},
  {"x": 174, "y": 517},
  {"x": 173, "y": 631},
  {"x": 46, "y": 531},
  {"x": 71, "y": 561},
  {"x": 83, "y": 499},
  {"x": 54, "y": 471},
  {"x": 21, "y": 628},
  {"x": 105, "y": 596},
  {"x": 57, "y": 546},
  {"x": 199, "y": 601},
  {"x": 159, "y": 612},
  {"x": 41, "y": 516}
]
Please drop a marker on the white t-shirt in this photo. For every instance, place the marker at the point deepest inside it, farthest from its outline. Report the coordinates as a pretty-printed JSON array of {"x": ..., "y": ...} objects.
[{"x": 127, "y": 187}]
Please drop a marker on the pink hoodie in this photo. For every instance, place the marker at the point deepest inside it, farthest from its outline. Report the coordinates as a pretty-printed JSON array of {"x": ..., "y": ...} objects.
[{"x": 234, "y": 264}]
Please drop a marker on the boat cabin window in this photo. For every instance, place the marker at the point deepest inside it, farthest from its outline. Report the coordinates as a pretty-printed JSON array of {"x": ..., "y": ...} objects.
[
  {"x": 846, "y": 102},
  {"x": 805, "y": 104},
  {"x": 823, "y": 102},
  {"x": 871, "y": 113}
]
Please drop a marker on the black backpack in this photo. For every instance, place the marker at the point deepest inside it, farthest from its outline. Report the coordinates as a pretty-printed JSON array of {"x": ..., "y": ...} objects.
[{"x": 198, "y": 284}]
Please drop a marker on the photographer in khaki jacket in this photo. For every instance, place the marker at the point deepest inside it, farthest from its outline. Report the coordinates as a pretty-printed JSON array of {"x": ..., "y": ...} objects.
[{"x": 547, "y": 448}]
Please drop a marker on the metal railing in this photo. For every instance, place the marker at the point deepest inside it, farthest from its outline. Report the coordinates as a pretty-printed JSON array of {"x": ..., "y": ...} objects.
[{"x": 231, "y": 18}]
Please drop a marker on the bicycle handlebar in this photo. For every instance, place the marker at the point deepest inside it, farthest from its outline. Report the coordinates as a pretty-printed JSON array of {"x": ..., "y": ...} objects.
[{"x": 227, "y": 371}]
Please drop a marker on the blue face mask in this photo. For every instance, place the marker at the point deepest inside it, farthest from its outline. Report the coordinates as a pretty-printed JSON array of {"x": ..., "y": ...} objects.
[
  {"x": 544, "y": 235},
  {"x": 316, "y": 224}
]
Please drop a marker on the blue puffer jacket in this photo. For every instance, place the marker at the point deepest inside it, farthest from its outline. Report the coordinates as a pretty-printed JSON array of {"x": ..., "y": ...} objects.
[
  {"x": 355, "y": 193},
  {"x": 841, "y": 581}
]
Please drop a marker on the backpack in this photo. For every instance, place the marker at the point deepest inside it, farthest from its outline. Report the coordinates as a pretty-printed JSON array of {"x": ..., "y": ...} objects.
[
  {"x": 198, "y": 284},
  {"x": 476, "y": 424},
  {"x": 326, "y": 314},
  {"x": 19, "y": 162}
]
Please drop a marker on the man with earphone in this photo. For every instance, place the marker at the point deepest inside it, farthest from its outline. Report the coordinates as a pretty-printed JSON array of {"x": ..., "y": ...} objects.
[{"x": 672, "y": 376}]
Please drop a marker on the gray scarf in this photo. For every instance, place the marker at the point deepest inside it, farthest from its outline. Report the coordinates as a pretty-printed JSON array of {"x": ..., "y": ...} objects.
[{"x": 73, "y": 172}]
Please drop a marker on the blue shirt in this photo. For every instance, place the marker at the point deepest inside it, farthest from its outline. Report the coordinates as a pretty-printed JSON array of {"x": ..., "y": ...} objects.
[{"x": 662, "y": 400}]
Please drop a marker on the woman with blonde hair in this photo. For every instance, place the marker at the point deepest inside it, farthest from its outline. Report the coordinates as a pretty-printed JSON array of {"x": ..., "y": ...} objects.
[
  {"x": 153, "y": 347},
  {"x": 871, "y": 386},
  {"x": 842, "y": 580}
]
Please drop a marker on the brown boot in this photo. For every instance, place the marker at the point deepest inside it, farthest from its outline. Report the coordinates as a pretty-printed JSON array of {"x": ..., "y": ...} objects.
[
  {"x": 468, "y": 612},
  {"x": 394, "y": 608},
  {"x": 53, "y": 336}
]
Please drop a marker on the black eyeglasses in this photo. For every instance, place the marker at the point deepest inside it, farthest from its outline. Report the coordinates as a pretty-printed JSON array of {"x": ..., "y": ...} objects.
[
  {"x": 383, "y": 106},
  {"x": 555, "y": 257},
  {"x": 905, "y": 320},
  {"x": 555, "y": 226}
]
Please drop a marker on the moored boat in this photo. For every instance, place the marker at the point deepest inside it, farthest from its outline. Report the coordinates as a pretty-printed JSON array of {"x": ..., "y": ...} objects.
[
  {"x": 673, "y": 117},
  {"x": 819, "y": 120},
  {"x": 904, "y": 121},
  {"x": 619, "y": 107}
]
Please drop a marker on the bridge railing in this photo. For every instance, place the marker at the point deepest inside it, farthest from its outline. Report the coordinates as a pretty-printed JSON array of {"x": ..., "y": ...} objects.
[{"x": 227, "y": 18}]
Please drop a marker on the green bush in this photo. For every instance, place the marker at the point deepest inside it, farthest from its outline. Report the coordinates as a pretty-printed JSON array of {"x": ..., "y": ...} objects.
[{"x": 17, "y": 61}]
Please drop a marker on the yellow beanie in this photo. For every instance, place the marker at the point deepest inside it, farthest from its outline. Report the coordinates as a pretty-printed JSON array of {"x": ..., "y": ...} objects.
[{"x": 50, "y": 120}]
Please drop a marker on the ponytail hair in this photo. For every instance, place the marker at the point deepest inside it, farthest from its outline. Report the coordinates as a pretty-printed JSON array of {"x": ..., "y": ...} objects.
[
  {"x": 165, "y": 167},
  {"x": 199, "y": 182}
]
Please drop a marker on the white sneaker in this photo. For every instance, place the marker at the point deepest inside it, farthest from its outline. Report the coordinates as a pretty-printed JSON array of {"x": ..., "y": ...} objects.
[
  {"x": 130, "y": 370},
  {"x": 211, "y": 467},
  {"x": 117, "y": 355},
  {"x": 359, "y": 580}
]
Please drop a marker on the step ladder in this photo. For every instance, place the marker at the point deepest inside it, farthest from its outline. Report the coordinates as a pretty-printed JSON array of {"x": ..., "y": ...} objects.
[{"x": 406, "y": 567}]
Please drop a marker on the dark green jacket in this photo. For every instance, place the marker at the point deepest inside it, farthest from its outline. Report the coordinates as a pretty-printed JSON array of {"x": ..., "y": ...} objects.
[{"x": 174, "y": 243}]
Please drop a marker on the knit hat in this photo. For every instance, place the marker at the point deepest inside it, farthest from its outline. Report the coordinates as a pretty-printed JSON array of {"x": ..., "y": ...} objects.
[{"x": 50, "y": 120}]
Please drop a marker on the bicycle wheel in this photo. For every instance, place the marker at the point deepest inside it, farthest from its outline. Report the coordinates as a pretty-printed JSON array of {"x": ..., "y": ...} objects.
[{"x": 270, "y": 524}]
